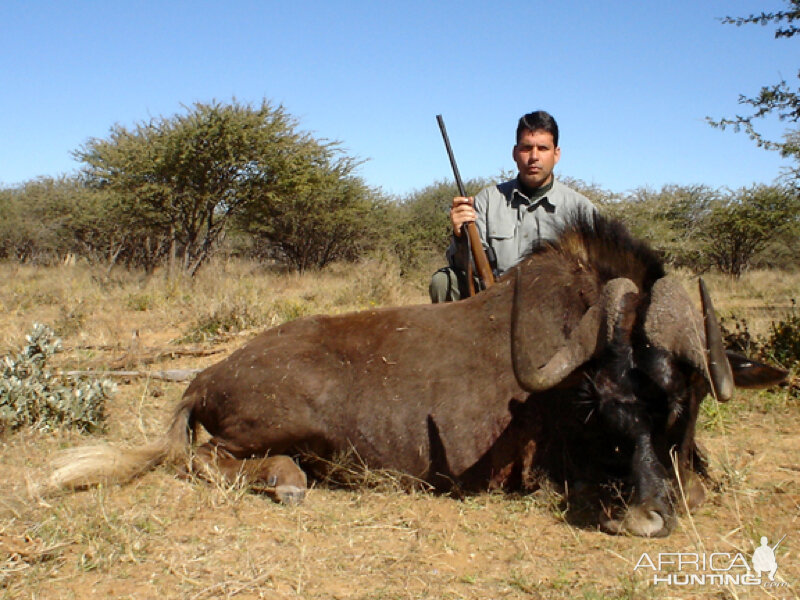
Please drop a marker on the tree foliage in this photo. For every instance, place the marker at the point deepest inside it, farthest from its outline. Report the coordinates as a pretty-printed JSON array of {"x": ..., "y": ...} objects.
[
  {"x": 50, "y": 220},
  {"x": 670, "y": 219},
  {"x": 781, "y": 99},
  {"x": 789, "y": 16},
  {"x": 700, "y": 228},
  {"x": 170, "y": 190},
  {"x": 44, "y": 220},
  {"x": 742, "y": 224},
  {"x": 598, "y": 195},
  {"x": 321, "y": 213},
  {"x": 182, "y": 179}
]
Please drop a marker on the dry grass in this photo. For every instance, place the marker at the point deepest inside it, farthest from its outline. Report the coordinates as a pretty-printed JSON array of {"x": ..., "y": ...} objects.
[
  {"x": 164, "y": 536},
  {"x": 760, "y": 297},
  {"x": 88, "y": 308}
]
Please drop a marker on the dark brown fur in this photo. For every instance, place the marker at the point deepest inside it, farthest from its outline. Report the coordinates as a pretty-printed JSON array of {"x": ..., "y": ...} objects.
[{"x": 375, "y": 379}]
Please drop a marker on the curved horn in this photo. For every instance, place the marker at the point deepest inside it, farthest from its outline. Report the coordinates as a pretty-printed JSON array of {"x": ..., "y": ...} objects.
[
  {"x": 592, "y": 332},
  {"x": 719, "y": 369},
  {"x": 673, "y": 323}
]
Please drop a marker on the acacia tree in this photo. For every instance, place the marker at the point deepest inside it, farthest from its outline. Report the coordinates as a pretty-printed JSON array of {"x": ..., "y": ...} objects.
[
  {"x": 741, "y": 225},
  {"x": 669, "y": 218},
  {"x": 47, "y": 219},
  {"x": 318, "y": 213},
  {"x": 181, "y": 179},
  {"x": 37, "y": 219},
  {"x": 15, "y": 239},
  {"x": 780, "y": 99}
]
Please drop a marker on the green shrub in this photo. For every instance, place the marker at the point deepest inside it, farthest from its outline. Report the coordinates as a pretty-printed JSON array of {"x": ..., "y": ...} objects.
[
  {"x": 223, "y": 320},
  {"x": 289, "y": 310},
  {"x": 784, "y": 338},
  {"x": 31, "y": 395},
  {"x": 781, "y": 345},
  {"x": 737, "y": 336},
  {"x": 140, "y": 302}
]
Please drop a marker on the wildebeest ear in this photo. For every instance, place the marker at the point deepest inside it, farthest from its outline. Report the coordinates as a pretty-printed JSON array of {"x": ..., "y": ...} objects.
[{"x": 752, "y": 374}]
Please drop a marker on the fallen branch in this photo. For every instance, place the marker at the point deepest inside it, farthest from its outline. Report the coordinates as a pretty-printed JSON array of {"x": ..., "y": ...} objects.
[
  {"x": 167, "y": 375},
  {"x": 145, "y": 358},
  {"x": 138, "y": 355},
  {"x": 156, "y": 352}
]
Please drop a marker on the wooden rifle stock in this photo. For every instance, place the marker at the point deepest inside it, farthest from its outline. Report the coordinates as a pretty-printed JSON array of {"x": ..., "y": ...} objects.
[{"x": 470, "y": 229}]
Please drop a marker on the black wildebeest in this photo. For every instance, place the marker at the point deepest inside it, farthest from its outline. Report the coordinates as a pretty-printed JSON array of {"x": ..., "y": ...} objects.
[{"x": 585, "y": 361}]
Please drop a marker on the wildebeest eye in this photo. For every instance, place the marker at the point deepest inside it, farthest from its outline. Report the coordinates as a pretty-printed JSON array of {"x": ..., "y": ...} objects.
[{"x": 660, "y": 368}]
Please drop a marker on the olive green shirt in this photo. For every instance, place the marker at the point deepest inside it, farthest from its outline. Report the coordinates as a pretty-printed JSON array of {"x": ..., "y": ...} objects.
[{"x": 512, "y": 223}]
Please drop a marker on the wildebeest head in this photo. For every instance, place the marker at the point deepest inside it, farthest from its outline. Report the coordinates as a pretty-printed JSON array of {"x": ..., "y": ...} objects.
[{"x": 600, "y": 307}]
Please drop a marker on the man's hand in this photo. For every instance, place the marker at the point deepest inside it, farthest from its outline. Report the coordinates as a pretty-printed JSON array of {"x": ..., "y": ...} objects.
[{"x": 461, "y": 212}]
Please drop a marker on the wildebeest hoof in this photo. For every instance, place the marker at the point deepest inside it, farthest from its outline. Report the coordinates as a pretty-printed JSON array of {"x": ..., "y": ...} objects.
[
  {"x": 274, "y": 473},
  {"x": 290, "y": 495},
  {"x": 637, "y": 520}
]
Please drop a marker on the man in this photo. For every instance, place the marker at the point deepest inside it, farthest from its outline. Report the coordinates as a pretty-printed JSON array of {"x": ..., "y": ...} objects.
[{"x": 515, "y": 216}]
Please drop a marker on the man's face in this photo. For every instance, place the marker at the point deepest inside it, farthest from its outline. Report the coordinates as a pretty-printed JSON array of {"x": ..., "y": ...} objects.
[{"x": 536, "y": 155}]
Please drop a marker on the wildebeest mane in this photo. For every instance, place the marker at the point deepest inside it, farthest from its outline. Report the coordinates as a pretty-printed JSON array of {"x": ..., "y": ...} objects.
[
  {"x": 559, "y": 281},
  {"x": 605, "y": 246}
]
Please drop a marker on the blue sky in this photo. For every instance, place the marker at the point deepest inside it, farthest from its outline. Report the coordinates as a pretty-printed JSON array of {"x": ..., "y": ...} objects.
[{"x": 630, "y": 83}]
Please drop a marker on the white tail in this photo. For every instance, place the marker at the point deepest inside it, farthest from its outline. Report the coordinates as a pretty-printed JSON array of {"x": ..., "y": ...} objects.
[{"x": 91, "y": 465}]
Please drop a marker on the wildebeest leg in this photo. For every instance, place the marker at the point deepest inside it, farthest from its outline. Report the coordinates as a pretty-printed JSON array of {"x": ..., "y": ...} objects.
[
  {"x": 692, "y": 490},
  {"x": 277, "y": 476},
  {"x": 684, "y": 392},
  {"x": 439, "y": 474}
]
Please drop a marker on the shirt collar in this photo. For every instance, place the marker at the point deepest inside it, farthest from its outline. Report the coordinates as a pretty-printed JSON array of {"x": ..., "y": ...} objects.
[
  {"x": 529, "y": 196},
  {"x": 533, "y": 201}
]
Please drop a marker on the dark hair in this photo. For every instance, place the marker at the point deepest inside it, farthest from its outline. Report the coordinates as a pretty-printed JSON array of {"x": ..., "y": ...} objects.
[{"x": 536, "y": 120}]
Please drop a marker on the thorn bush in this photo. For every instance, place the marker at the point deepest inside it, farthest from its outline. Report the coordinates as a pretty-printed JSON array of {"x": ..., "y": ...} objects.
[
  {"x": 781, "y": 345},
  {"x": 31, "y": 395},
  {"x": 784, "y": 338},
  {"x": 229, "y": 318}
]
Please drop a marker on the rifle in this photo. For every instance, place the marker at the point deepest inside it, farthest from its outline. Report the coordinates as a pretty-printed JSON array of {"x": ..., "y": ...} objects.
[{"x": 472, "y": 237}]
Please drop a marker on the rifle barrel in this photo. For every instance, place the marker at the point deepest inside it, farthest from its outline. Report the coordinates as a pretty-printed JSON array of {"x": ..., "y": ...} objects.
[
  {"x": 461, "y": 190},
  {"x": 471, "y": 230}
]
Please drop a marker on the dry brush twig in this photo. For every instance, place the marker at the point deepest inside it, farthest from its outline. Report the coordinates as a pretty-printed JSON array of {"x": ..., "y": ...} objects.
[{"x": 165, "y": 375}]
